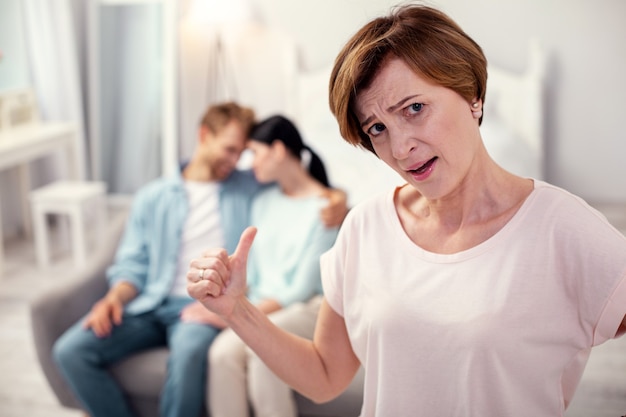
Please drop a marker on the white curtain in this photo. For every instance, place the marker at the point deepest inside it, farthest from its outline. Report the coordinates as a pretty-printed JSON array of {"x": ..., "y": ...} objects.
[
  {"x": 55, "y": 35},
  {"x": 46, "y": 31},
  {"x": 54, "y": 70},
  {"x": 129, "y": 101},
  {"x": 130, "y": 95}
]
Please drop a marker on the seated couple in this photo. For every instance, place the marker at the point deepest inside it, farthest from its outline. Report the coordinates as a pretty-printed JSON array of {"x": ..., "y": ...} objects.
[{"x": 172, "y": 221}]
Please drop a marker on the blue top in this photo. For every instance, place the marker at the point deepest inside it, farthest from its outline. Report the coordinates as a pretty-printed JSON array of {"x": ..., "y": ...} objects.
[
  {"x": 284, "y": 261},
  {"x": 148, "y": 252}
]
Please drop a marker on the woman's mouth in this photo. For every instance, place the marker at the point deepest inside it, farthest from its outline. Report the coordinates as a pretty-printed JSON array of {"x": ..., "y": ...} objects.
[{"x": 423, "y": 171}]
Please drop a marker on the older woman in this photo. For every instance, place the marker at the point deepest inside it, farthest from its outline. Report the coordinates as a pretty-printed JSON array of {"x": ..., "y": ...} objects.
[{"x": 467, "y": 291}]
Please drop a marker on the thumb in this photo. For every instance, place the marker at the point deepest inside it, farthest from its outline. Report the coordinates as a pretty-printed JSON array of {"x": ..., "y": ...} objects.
[{"x": 240, "y": 256}]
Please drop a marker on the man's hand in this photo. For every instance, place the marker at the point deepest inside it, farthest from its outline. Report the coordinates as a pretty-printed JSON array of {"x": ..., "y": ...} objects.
[
  {"x": 336, "y": 209},
  {"x": 104, "y": 315},
  {"x": 217, "y": 280},
  {"x": 108, "y": 312},
  {"x": 196, "y": 313}
]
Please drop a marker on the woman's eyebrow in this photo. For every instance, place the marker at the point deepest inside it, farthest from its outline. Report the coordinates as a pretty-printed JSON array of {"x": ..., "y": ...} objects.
[{"x": 391, "y": 108}]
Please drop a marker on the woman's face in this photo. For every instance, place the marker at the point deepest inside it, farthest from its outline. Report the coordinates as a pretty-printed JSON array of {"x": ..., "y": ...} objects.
[
  {"x": 265, "y": 163},
  {"x": 425, "y": 132}
]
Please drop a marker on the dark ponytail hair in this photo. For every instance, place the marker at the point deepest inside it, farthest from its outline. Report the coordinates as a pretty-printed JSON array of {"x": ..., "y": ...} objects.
[{"x": 282, "y": 129}]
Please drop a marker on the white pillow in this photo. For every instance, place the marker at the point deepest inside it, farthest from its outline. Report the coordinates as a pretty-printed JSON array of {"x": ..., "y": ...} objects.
[{"x": 509, "y": 150}]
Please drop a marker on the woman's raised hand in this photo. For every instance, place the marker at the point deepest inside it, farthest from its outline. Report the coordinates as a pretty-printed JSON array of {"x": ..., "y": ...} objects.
[{"x": 218, "y": 280}]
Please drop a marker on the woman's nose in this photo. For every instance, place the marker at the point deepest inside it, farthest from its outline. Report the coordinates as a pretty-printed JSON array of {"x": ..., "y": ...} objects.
[{"x": 402, "y": 144}]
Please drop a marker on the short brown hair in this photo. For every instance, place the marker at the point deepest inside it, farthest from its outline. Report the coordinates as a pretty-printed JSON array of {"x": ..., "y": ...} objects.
[
  {"x": 217, "y": 116},
  {"x": 429, "y": 41}
]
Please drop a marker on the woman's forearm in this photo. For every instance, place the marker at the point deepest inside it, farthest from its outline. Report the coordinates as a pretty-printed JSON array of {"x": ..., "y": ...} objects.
[
  {"x": 292, "y": 358},
  {"x": 319, "y": 369}
]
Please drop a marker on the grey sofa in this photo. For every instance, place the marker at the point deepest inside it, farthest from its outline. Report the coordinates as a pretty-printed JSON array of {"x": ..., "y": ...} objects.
[{"x": 141, "y": 375}]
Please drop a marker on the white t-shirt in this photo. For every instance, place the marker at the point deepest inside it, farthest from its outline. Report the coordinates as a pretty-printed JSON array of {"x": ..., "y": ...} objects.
[
  {"x": 501, "y": 329},
  {"x": 203, "y": 229}
]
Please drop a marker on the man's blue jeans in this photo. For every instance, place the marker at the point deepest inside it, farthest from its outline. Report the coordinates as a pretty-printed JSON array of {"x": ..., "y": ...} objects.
[{"x": 84, "y": 358}]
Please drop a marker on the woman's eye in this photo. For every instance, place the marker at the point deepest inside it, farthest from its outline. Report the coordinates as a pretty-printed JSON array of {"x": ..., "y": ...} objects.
[
  {"x": 415, "y": 107},
  {"x": 376, "y": 129}
]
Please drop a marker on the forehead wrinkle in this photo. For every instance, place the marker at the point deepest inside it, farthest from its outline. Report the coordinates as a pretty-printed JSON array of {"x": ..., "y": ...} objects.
[
  {"x": 400, "y": 103},
  {"x": 391, "y": 80},
  {"x": 392, "y": 107}
]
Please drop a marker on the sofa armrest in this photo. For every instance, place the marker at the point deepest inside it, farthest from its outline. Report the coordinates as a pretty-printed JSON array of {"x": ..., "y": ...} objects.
[{"x": 55, "y": 310}]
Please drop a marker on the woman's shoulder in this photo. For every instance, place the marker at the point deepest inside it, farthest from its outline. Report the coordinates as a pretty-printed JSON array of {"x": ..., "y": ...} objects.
[
  {"x": 377, "y": 206},
  {"x": 268, "y": 193},
  {"x": 565, "y": 209},
  {"x": 552, "y": 196}
]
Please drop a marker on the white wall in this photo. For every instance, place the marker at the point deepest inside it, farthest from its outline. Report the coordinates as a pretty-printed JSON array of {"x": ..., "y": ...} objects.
[{"x": 586, "y": 91}]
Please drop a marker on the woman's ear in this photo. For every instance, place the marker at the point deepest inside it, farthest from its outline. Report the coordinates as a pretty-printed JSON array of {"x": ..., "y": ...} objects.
[
  {"x": 279, "y": 148},
  {"x": 477, "y": 108}
]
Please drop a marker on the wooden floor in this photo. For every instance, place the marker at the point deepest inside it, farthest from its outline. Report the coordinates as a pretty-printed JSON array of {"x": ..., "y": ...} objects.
[{"x": 25, "y": 392}]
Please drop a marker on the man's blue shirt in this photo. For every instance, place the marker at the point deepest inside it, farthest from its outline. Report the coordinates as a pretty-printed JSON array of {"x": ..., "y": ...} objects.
[{"x": 148, "y": 252}]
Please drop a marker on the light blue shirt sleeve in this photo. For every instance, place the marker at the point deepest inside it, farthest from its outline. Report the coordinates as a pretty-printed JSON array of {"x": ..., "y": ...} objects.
[{"x": 148, "y": 251}]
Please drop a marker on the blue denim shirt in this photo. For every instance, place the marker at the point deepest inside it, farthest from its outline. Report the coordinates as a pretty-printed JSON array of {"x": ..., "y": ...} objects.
[{"x": 148, "y": 252}]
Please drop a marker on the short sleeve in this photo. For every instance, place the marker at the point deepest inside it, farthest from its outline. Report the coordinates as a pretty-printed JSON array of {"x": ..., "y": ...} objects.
[
  {"x": 333, "y": 267},
  {"x": 340, "y": 266},
  {"x": 612, "y": 314}
]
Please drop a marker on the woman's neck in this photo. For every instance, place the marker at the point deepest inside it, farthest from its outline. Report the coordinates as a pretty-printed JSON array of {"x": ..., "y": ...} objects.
[{"x": 296, "y": 182}]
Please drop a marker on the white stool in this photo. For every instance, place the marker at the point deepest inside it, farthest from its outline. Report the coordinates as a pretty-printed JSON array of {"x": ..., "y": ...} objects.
[{"x": 74, "y": 199}]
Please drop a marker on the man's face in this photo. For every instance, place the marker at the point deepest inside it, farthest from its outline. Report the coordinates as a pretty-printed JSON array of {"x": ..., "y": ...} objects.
[{"x": 223, "y": 149}]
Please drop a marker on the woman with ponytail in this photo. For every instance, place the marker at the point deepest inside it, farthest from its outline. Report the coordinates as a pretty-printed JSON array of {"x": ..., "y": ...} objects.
[{"x": 283, "y": 269}]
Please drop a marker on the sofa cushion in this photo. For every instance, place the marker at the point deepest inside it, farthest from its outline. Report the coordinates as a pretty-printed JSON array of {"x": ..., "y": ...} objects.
[{"x": 143, "y": 374}]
